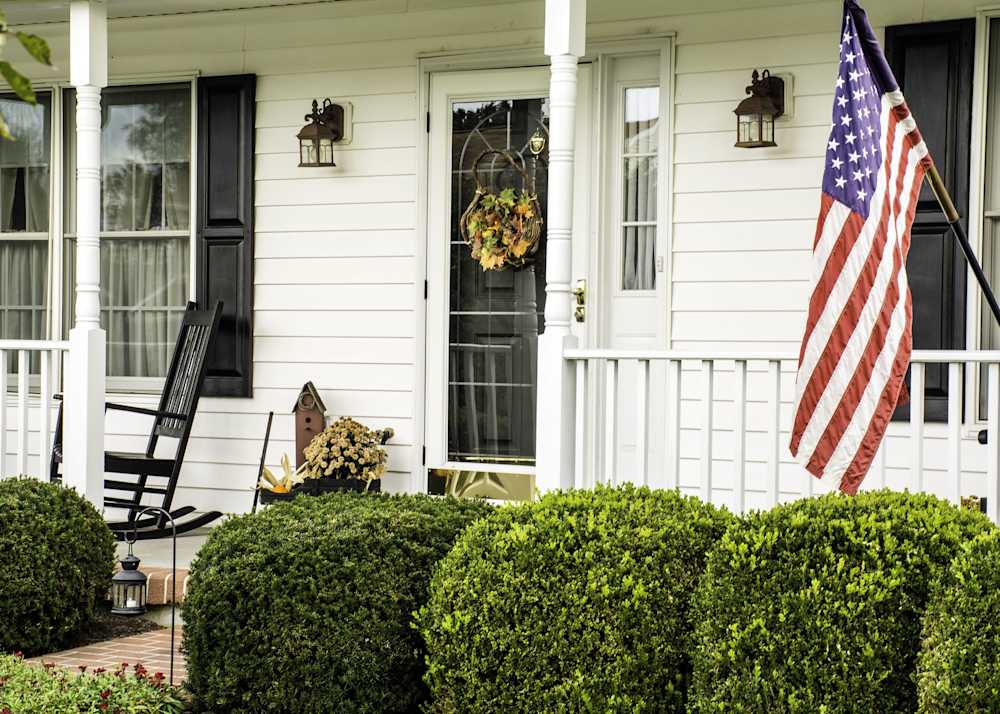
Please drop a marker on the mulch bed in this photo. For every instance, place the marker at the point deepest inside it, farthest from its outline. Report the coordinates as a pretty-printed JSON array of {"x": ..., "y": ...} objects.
[{"x": 108, "y": 627}]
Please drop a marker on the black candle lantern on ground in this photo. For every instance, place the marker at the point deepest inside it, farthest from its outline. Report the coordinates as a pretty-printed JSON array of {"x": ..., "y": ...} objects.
[
  {"x": 316, "y": 139},
  {"x": 128, "y": 586},
  {"x": 755, "y": 115}
]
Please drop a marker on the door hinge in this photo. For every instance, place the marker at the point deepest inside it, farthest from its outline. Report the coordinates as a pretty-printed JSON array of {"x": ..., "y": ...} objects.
[
  {"x": 428, "y": 122},
  {"x": 423, "y": 455},
  {"x": 425, "y": 289}
]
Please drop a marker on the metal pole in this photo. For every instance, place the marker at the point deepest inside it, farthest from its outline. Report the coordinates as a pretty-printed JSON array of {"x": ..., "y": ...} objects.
[
  {"x": 955, "y": 221},
  {"x": 173, "y": 580}
]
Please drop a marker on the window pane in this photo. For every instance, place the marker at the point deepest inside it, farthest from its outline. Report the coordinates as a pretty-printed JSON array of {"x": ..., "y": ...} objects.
[
  {"x": 990, "y": 333},
  {"x": 145, "y": 157},
  {"x": 23, "y": 289},
  {"x": 639, "y": 187},
  {"x": 144, "y": 289},
  {"x": 24, "y": 166}
]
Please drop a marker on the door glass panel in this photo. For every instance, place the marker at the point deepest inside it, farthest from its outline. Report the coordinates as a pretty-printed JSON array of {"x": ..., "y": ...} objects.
[
  {"x": 495, "y": 317},
  {"x": 639, "y": 191}
]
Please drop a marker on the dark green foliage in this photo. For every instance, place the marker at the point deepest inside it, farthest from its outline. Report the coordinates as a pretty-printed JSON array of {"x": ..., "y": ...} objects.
[
  {"x": 815, "y": 606},
  {"x": 56, "y": 562},
  {"x": 959, "y": 666},
  {"x": 578, "y": 602},
  {"x": 307, "y": 607}
]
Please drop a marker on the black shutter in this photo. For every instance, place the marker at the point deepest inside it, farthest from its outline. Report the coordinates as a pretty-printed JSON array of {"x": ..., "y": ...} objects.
[
  {"x": 226, "y": 110},
  {"x": 933, "y": 64}
]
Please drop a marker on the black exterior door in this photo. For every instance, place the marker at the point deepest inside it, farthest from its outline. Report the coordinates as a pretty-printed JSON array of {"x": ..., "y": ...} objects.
[{"x": 933, "y": 64}]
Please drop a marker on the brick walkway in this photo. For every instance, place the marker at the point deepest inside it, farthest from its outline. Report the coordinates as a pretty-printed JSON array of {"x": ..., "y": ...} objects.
[{"x": 151, "y": 649}]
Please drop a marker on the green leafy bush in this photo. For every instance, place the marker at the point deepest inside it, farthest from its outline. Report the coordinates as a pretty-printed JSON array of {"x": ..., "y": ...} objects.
[
  {"x": 578, "y": 602},
  {"x": 56, "y": 562},
  {"x": 307, "y": 607},
  {"x": 815, "y": 606},
  {"x": 31, "y": 689},
  {"x": 959, "y": 666}
]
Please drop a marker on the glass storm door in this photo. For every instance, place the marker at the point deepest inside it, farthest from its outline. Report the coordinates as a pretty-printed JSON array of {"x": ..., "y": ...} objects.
[{"x": 483, "y": 326}]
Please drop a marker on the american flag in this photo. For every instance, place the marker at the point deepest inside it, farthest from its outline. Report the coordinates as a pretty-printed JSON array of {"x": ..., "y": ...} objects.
[{"x": 858, "y": 337}]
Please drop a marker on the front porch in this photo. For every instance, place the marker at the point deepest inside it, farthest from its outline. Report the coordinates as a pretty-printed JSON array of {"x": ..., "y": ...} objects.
[{"x": 680, "y": 376}]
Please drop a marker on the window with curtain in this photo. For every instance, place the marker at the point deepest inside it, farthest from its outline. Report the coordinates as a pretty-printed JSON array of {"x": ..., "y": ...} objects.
[
  {"x": 145, "y": 223},
  {"x": 24, "y": 219},
  {"x": 990, "y": 333},
  {"x": 638, "y": 162}
]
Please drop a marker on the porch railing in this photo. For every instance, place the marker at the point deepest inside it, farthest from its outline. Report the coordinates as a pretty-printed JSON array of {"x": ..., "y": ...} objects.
[
  {"x": 716, "y": 424},
  {"x": 30, "y": 374}
]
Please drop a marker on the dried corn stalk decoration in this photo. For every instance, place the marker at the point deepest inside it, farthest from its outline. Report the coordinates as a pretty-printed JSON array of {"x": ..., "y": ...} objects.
[{"x": 502, "y": 229}]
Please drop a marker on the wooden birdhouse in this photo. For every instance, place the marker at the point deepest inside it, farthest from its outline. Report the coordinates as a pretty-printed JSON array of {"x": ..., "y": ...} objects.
[{"x": 310, "y": 419}]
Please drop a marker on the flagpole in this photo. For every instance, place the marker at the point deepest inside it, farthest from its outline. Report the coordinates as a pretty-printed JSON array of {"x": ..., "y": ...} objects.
[{"x": 955, "y": 221}]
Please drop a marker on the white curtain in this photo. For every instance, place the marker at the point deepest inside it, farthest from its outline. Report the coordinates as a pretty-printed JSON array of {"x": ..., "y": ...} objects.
[
  {"x": 23, "y": 288},
  {"x": 144, "y": 289}
]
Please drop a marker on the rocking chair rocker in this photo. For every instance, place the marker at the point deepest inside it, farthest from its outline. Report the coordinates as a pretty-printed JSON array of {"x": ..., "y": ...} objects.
[{"x": 172, "y": 419}]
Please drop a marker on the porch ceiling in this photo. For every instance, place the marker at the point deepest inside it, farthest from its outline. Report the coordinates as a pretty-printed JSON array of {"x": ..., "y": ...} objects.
[{"x": 30, "y": 12}]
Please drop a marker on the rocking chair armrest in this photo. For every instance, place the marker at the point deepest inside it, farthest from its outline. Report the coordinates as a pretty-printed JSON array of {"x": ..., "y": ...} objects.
[{"x": 144, "y": 410}]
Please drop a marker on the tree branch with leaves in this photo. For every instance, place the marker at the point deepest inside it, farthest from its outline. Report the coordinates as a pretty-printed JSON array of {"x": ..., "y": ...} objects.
[{"x": 38, "y": 48}]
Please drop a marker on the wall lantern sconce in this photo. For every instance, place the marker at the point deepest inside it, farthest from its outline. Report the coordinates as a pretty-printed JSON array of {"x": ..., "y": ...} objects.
[
  {"x": 326, "y": 126},
  {"x": 755, "y": 115}
]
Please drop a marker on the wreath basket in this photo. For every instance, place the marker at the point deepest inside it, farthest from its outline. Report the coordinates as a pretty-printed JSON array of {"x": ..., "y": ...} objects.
[{"x": 502, "y": 229}]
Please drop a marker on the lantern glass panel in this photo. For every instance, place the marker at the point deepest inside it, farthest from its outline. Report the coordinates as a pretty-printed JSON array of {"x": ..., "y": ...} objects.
[
  {"x": 326, "y": 152},
  {"x": 767, "y": 123},
  {"x": 308, "y": 151}
]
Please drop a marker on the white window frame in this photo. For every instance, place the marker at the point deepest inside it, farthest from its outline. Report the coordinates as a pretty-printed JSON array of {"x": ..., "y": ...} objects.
[{"x": 62, "y": 202}]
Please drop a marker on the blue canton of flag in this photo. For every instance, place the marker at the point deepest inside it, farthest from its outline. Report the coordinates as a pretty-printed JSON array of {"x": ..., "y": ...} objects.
[{"x": 853, "y": 150}]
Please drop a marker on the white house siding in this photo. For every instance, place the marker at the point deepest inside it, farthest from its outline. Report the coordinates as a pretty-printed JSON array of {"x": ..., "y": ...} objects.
[{"x": 337, "y": 294}]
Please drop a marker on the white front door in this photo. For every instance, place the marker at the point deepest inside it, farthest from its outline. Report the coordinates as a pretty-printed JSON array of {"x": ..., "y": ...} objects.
[{"x": 483, "y": 326}]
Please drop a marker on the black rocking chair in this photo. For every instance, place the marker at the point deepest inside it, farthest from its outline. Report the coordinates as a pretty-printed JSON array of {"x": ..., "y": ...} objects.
[{"x": 172, "y": 419}]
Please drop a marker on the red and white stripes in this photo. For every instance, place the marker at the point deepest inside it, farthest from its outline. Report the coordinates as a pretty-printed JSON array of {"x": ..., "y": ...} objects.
[{"x": 858, "y": 337}]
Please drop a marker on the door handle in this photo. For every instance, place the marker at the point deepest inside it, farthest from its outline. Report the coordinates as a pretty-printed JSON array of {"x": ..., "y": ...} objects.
[{"x": 580, "y": 293}]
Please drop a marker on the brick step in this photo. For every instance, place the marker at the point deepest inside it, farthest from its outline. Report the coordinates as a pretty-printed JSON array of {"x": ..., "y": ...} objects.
[{"x": 160, "y": 587}]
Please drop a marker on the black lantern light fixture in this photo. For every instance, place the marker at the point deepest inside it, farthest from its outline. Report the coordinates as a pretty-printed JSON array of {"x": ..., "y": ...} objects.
[
  {"x": 128, "y": 586},
  {"x": 755, "y": 115},
  {"x": 326, "y": 126}
]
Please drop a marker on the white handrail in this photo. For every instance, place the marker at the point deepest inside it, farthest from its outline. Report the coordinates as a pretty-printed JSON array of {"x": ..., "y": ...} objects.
[
  {"x": 35, "y": 345},
  {"x": 921, "y": 356}
]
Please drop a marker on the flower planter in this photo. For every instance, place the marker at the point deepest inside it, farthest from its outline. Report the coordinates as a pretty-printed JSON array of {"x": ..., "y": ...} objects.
[{"x": 319, "y": 486}]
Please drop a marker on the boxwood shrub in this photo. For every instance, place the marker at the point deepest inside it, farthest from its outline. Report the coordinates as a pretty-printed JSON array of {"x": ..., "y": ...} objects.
[
  {"x": 577, "y": 602},
  {"x": 815, "y": 606},
  {"x": 32, "y": 689},
  {"x": 56, "y": 562},
  {"x": 959, "y": 666},
  {"x": 307, "y": 606}
]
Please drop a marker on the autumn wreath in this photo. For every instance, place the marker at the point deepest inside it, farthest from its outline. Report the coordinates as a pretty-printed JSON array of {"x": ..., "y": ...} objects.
[{"x": 502, "y": 229}]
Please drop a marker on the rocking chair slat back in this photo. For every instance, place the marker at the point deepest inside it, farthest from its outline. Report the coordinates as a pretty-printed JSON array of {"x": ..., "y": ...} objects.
[{"x": 186, "y": 373}]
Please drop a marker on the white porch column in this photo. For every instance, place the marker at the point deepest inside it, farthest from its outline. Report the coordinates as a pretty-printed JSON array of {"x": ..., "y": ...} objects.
[
  {"x": 83, "y": 439},
  {"x": 565, "y": 30}
]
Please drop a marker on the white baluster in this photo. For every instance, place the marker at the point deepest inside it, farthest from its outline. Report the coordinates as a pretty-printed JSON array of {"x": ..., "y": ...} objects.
[
  {"x": 45, "y": 406},
  {"x": 740, "y": 430},
  {"x": 673, "y": 460},
  {"x": 23, "y": 373},
  {"x": 610, "y": 414},
  {"x": 580, "y": 438},
  {"x": 917, "y": 425},
  {"x": 641, "y": 419},
  {"x": 707, "y": 376},
  {"x": 993, "y": 442},
  {"x": 774, "y": 435},
  {"x": 955, "y": 433}
]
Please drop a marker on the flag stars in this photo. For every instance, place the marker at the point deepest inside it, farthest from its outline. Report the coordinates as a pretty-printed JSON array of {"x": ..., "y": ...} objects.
[
  {"x": 858, "y": 176},
  {"x": 836, "y": 163},
  {"x": 861, "y": 194},
  {"x": 850, "y": 137},
  {"x": 846, "y": 120},
  {"x": 833, "y": 144},
  {"x": 848, "y": 36},
  {"x": 853, "y": 157},
  {"x": 850, "y": 57},
  {"x": 854, "y": 75},
  {"x": 841, "y": 100},
  {"x": 840, "y": 82},
  {"x": 840, "y": 181}
]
